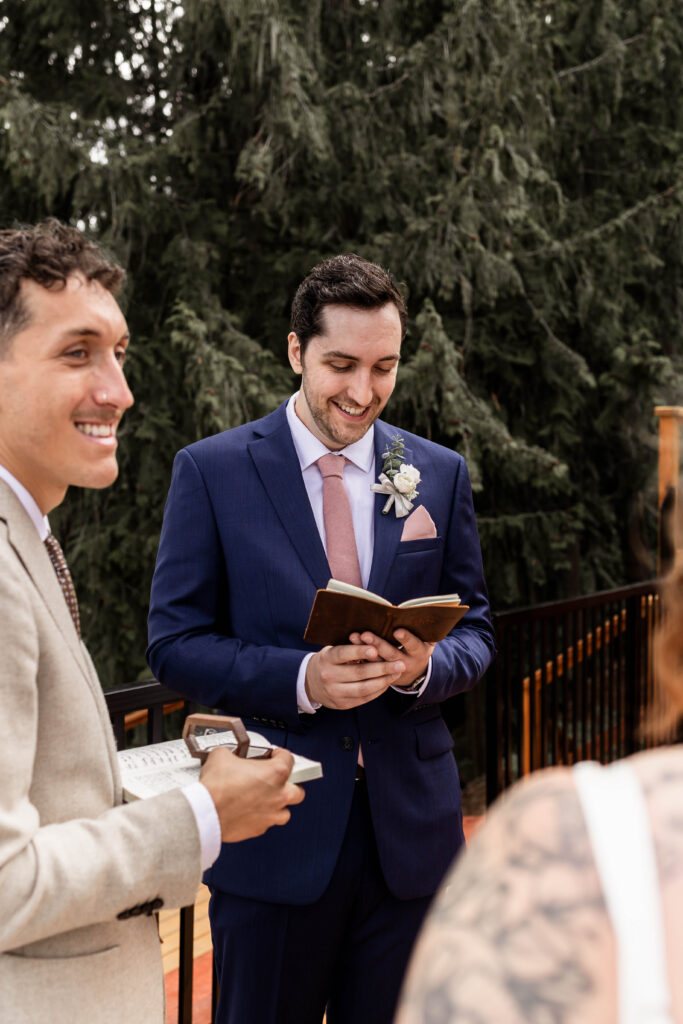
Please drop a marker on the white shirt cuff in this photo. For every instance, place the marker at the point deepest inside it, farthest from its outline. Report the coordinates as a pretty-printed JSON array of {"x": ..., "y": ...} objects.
[
  {"x": 208, "y": 824},
  {"x": 306, "y": 706},
  {"x": 423, "y": 684}
]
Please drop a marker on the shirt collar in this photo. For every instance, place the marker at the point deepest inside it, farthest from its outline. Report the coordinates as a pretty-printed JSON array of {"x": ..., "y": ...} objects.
[
  {"x": 309, "y": 448},
  {"x": 28, "y": 501}
]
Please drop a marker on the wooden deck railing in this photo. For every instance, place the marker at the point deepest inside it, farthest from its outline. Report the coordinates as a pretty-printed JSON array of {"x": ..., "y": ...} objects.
[{"x": 573, "y": 680}]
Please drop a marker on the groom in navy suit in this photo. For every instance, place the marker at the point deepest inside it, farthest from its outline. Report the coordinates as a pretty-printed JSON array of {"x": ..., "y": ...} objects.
[{"x": 323, "y": 914}]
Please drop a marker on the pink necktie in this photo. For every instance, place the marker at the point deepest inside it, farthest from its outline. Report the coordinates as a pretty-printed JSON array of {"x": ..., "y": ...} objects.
[
  {"x": 342, "y": 553},
  {"x": 54, "y": 549}
]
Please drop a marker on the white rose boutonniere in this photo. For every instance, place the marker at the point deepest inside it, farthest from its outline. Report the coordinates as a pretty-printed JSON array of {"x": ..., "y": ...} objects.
[
  {"x": 406, "y": 480},
  {"x": 398, "y": 479}
]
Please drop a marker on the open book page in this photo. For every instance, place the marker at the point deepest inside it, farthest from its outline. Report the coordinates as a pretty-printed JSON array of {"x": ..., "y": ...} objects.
[
  {"x": 148, "y": 771},
  {"x": 339, "y": 587},
  {"x": 448, "y": 599}
]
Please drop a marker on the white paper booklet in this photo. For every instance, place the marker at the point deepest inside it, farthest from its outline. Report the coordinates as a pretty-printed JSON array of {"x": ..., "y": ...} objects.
[{"x": 148, "y": 771}]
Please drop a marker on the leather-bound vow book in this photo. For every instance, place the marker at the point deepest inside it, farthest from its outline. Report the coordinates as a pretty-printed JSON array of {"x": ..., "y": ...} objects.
[{"x": 341, "y": 609}]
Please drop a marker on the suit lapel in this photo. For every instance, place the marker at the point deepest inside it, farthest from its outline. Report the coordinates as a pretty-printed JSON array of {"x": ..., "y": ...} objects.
[
  {"x": 277, "y": 465},
  {"x": 33, "y": 555},
  {"x": 387, "y": 528}
]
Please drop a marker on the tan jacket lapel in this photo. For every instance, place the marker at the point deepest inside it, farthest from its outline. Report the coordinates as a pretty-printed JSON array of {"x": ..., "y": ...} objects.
[{"x": 32, "y": 553}]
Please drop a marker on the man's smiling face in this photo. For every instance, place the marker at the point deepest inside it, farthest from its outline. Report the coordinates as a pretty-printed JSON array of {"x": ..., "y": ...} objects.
[
  {"x": 348, "y": 371},
  {"x": 62, "y": 390}
]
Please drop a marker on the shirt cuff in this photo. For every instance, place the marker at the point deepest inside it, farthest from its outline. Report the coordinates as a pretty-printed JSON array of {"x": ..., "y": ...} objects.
[
  {"x": 423, "y": 685},
  {"x": 306, "y": 706},
  {"x": 208, "y": 824}
]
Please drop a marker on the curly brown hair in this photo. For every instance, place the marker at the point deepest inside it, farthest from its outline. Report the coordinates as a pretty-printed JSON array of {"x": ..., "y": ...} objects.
[{"x": 48, "y": 253}]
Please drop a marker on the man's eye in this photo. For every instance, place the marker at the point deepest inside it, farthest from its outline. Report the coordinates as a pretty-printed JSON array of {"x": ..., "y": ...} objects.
[
  {"x": 121, "y": 356},
  {"x": 339, "y": 369},
  {"x": 76, "y": 353},
  {"x": 383, "y": 369}
]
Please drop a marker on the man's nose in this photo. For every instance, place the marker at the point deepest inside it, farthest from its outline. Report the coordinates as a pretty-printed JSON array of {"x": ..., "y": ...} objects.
[
  {"x": 360, "y": 389},
  {"x": 111, "y": 387}
]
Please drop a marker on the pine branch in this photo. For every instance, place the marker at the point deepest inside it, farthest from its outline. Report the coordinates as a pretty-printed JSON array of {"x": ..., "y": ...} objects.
[
  {"x": 570, "y": 244},
  {"x": 589, "y": 64}
]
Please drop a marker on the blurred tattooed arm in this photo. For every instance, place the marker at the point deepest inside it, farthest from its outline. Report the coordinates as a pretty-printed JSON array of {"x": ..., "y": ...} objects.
[
  {"x": 518, "y": 933},
  {"x": 500, "y": 941}
]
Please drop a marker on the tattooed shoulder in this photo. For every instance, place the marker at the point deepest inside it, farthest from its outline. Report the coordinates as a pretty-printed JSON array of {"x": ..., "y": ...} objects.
[
  {"x": 512, "y": 934},
  {"x": 519, "y": 934}
]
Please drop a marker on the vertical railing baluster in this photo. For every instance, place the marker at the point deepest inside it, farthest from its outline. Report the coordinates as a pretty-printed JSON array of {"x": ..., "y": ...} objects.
[
  {"x": 559, "y": 723},
  {"x": 506, "y": 694},
  {"x": 621, "y": 685},
  {"x": 494, "y": 710},
  {"x": 542, "y": 712},
  {"x": 580, "y": 684},
  {"x": 185, "y": 966}
]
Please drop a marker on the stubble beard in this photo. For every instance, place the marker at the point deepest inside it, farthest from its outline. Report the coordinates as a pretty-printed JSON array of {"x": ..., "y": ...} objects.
[{"x": 328, "y": 430}]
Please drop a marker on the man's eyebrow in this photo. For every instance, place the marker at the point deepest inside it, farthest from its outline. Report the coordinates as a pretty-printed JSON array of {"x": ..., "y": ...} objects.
[
  {"x": 90, "y": 332},
  {"x": 354, "y": 359}
]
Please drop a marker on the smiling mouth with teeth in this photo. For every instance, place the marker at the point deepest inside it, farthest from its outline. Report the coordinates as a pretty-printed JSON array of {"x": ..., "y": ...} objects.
[
  {"x": 349, "y": 411},
  {"x": 97, "y": 429}
]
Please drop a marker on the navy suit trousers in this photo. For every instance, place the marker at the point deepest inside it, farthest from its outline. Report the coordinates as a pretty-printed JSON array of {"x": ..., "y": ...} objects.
[{"x": 347, "y": 952}]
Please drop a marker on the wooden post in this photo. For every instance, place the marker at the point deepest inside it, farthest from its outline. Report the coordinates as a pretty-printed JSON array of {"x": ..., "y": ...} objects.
[{"x": 670, "y": 542}]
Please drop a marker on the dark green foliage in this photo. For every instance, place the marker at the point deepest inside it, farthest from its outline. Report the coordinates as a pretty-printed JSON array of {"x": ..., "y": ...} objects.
[{"x": 517, "y": 166}]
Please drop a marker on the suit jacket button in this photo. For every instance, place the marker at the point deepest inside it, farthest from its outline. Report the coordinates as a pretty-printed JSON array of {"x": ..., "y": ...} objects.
[{"x": 346, "y": 743}]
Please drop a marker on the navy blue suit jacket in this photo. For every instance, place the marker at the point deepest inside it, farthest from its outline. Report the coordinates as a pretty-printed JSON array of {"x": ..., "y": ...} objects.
[{"x": 240, "y": 559}]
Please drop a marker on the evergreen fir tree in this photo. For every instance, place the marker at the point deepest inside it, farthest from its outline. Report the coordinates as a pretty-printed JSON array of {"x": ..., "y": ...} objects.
[{"x": 518, "y": 168}]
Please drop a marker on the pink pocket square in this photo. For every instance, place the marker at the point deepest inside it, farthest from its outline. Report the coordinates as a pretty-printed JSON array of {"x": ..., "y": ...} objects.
[{"x": 419, "y": 525}]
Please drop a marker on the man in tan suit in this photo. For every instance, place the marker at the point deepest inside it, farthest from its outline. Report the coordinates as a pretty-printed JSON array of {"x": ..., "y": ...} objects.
[{"x": 81, "y": 874}]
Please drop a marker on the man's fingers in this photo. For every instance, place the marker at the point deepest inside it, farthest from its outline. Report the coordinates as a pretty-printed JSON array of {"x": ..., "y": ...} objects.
[
  {"x": 346, "y": 695},
  {"x": 410, "y": 643},
  {"x": 372, "y": 671},
  {"x": 384, "y": 649},
  {"x": 294, "y": 794},
  {"x": 284, "y": 761},
  {"x": 366, "y": 670},
  {"x": 344, "y": 653}
]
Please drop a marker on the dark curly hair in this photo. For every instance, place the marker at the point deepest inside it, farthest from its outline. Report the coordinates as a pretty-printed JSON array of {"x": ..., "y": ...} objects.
[
  {"x": 48, "y": 253},
  {"x": 346, "y": 280}
]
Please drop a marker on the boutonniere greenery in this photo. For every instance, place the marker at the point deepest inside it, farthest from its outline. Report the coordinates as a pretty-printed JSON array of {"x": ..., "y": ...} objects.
[{"x": 398, "y": 479}]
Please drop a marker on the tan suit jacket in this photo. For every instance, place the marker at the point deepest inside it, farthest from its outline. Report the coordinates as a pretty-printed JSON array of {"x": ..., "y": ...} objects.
[{"x": 71, "y": 856}]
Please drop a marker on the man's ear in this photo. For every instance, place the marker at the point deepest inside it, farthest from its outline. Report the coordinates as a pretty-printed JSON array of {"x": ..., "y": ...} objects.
[{"x": 295, "y": 353}]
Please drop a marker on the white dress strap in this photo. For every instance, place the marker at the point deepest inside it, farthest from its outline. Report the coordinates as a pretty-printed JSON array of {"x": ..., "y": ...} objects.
[{"x": 619, "y": 831}]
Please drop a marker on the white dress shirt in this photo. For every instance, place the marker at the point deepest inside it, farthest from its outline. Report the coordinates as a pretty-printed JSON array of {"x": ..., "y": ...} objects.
[
  {"x": 197, "y": 794},
  {"x": 359, "y": 475}
]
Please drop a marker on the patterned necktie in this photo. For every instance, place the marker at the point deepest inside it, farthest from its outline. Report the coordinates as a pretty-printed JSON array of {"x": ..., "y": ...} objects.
[
  {"x": 54, "y": 550},
  {"x": 342, "y": 553}
]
